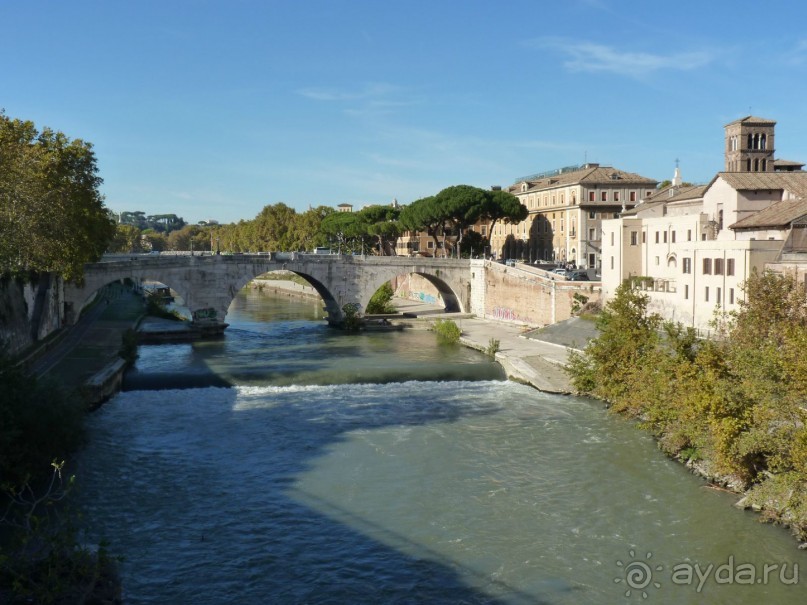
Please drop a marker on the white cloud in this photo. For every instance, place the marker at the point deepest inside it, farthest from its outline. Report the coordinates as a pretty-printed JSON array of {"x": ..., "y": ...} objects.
[
  {"x": 367, "y": 92},
  {"x": 590, "y": 57}
]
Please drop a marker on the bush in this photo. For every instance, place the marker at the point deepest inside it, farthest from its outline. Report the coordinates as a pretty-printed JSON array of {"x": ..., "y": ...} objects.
[
  {"x": 351, "y": 320},
  {"x": 156, "y": 308},
  {"x": 381, "y": 300},
  {"x": 447, "y": 331},
  {"x": 39, "y": 422},
  {"x": 128, "y": 347},
  {"x": 493, "y": 347}
]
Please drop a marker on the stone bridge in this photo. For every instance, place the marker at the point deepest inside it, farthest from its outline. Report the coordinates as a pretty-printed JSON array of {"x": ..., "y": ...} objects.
[{"x": 209, "y": 283}]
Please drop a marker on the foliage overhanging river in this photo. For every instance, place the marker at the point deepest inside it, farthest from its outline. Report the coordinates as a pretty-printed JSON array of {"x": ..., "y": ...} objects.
[{"x": 384, "y": 468}]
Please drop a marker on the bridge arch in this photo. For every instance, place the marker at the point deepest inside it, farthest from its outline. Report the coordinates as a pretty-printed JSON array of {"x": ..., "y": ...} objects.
[
  {"x": 328, "y": 299},
  {"x": 451, "y": 300}
]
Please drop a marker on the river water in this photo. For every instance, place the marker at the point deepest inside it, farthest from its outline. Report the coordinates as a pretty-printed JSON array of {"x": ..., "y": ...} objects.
[{"x": 309, "y": 466}]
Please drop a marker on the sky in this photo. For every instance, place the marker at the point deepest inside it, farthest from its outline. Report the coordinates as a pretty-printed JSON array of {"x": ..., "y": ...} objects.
[{"x": 214, "y": 109}]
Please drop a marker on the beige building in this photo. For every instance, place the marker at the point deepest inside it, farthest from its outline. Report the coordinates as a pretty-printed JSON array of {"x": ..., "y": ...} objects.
[
  {"x": 566, "y": 209},
  {"x": 691, "y": 248}
]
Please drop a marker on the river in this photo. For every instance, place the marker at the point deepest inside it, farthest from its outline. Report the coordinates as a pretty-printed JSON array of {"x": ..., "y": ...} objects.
[{"x": 310, "y": 466}]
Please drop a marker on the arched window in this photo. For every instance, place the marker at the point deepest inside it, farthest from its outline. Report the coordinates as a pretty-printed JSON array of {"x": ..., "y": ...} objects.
[
  {"x": 720, "y": 220},
  {"x": 756, "y": 165},
  {"x": 672, "y": 263},
  {"x": 764, "y": 165},
  {"x": 748, "y": 165},
  {"x": 750, "y": 141},
  {"x": 763, "y": 142}
]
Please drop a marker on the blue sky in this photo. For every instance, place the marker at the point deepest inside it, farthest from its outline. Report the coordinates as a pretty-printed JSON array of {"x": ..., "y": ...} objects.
[{"x": 213, "y": 109}]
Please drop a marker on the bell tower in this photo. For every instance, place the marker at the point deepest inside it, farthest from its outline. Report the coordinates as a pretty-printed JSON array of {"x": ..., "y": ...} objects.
[{"x": 749, "y": 145}]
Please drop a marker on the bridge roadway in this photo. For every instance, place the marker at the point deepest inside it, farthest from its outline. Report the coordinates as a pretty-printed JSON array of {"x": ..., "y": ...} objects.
[{"x": 208, "y": 283}]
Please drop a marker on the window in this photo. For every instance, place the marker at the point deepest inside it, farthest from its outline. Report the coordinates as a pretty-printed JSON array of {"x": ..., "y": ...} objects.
[
  {"x": 644, "y": 237},
  {"x": 591, "y": 260},
  {"x": 634, "y": 238},
  {"x": 616, "y": 196},
  {"x": 672, "y": 235},
  {"x": 730, "y": 267},
  {"x": 686, "y": 264},
  {"x": 686, "y": 291},
  {"x": 718, "y": 266},
  {"x": 616, "y": 214},
  {"x": 612, "y": 240},
  {"x": 632, "y": 196},
  {"x": 656, "y": 236},
  {"x": 591, "y": 199},
  {"x": 604, "y": 196},
  {"x": 649, "y": 193},
  {"x": 689, "y": 235},
  {"x": 592, "y": 214},
  {"x": 592, "y": 234},
  {"x": 657, "y": 261},
  {"x": 484, "y": 230},
  {"x": 612, "y": 262},
  {"x": 731, "y": 296},
  {"x": 706, "y": 294},
  {"x": 707, "y": 266},
  {"x": 430, "y": 245},
  {"x": 719, "y": 297},
  {"x": 665, "y": 237}
]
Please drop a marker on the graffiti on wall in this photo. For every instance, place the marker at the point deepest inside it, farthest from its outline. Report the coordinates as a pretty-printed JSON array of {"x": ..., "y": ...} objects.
[
  {"x": 208, "y": 314},
  {"x": 423, "y": 297},
  {"x": 505, "y": 314}
]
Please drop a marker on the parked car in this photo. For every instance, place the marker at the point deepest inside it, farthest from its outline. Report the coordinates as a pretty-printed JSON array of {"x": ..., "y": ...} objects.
[
  {"x": 577, "y": 276},
  {"x": 559, "y": 271},
  {"x": 510, "y": 262}
]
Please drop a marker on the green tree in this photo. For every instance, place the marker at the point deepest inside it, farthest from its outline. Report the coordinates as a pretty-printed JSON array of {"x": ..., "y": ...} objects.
[
  {"x": 382, "y": 223},
  {"x": 52, "y": 216},
  {"x": 626, "y": 334},
  {"x": 503, "y": 206},
  {"x": 126, "y": 239},
  {"x": 308, "y": 228},
  {"x": 348, "y": 230},
  {"x": 461, "y": 206},
  {"x": 425, "y": 215}
]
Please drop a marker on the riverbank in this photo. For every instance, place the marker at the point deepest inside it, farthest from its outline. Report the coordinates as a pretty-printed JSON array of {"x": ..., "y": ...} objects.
[{"x": 86, "y": 357}]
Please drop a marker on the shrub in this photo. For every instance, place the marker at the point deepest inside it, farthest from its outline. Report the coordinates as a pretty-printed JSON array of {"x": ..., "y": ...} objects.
[
  {"x": 128, "y": 347},
  {"x": 156, "y": 308},
  {"x": 351, "y": 321},
  {"x": 493, "y": 347},
  {"x": 381, "y": 300},
  {"x": 39, "y": 422},
  {"x": 447, "y": 331}
]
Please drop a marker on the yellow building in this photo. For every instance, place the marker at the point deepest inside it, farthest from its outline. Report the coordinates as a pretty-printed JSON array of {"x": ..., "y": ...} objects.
[{"x": 566, "y": 207}]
